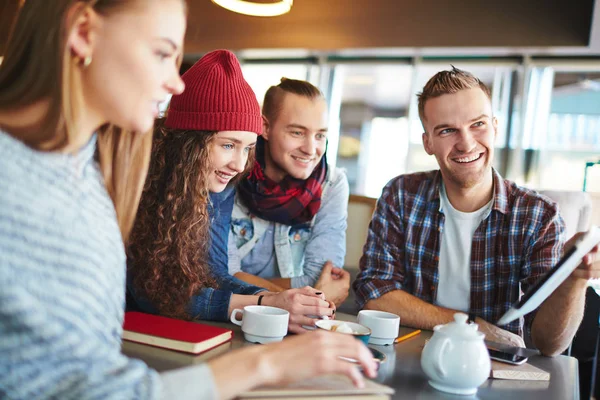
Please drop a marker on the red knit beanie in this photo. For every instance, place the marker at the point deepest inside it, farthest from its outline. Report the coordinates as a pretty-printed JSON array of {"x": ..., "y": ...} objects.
[{"x": 216, "y": 97}]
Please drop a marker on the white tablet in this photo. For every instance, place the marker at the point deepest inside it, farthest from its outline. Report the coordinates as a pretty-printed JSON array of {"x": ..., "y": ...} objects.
[{"x": 553, "y": 278}]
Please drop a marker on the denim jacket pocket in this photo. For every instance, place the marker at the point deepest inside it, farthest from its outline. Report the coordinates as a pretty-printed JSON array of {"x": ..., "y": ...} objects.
[
  {"x": 298, "y": 238},
  {"x": 243, "y": 230}
]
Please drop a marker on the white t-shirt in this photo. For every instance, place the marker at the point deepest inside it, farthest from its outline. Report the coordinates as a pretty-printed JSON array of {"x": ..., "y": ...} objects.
[{"x": 454, "y": 285}]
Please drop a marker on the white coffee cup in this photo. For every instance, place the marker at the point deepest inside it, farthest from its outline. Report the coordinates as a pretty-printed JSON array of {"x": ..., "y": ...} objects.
[
  {"x": 262, "y": 324},
  {"x": 384, "y": 326}
]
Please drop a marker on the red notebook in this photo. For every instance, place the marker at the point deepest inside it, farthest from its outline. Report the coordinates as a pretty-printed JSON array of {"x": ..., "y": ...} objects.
[{"x": 175, "y": 334}]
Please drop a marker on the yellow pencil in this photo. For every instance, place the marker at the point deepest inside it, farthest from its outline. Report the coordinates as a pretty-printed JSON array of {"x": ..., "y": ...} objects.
[{"x": 407, "y": 336}]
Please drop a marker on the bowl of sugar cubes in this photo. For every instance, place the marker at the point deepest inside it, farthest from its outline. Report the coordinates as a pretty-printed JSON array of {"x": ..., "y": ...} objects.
[{"x": 359, "y": 331}]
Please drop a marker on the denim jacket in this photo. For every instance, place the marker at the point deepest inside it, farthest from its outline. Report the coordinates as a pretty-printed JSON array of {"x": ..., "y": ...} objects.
[
  {"x": 271, "y": 250},
  {"x": 209, "y": 304}
]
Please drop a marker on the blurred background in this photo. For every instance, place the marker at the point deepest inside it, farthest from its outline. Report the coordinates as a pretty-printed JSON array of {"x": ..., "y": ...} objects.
[{"x": 541, "y": 58}]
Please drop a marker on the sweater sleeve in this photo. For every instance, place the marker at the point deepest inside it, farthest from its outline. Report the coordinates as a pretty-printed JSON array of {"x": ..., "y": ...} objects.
[
  {"x": 53, "y": 352},
  {"x": 193, "y": 382}
]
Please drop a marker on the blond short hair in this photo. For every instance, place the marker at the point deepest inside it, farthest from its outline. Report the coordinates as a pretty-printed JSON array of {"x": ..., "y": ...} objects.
[
  {"x": 273, "y": 100},
  {"x": 448, "y": 82}
]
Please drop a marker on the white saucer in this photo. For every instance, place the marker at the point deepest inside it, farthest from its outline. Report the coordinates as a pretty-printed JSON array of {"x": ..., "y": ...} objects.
[
  {"x": 261, "y": 339},
  {"x": 449, "y": 389},
  {"x": 381, "y": 341}
]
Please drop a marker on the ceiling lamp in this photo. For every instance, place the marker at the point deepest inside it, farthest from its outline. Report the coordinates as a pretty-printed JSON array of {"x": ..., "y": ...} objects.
[{"x": 256, "y": 9}]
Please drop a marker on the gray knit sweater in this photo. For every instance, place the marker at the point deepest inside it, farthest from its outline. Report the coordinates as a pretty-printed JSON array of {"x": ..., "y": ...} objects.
[{"x": 62, "y": 286}]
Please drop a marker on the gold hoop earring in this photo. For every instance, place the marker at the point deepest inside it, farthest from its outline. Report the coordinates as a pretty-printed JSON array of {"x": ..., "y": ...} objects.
[{"x": 87, "y": 61}]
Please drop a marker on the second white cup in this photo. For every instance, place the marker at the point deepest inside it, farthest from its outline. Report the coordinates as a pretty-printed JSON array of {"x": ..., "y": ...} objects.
[
  {"x": 384, "y": 326},
  {"x": 262, "y": 324}
]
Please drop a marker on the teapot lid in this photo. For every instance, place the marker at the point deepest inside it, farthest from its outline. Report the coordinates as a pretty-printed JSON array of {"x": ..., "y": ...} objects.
[{"x": 460, "y": 329}]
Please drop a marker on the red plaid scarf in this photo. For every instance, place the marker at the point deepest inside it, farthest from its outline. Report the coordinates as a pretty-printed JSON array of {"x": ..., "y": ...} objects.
[{"x": 291, "y": 201}]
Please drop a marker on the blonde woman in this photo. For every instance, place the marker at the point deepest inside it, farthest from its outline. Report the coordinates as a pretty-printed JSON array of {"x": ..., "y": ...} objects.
[{"x": 80, "y": 84}]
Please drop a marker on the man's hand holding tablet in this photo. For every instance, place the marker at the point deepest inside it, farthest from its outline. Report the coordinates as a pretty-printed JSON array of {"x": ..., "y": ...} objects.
[
  {"x": 559, "y": 295},
  {"x": 589, "y": 268},
  {"x": 577, "y": 262}
]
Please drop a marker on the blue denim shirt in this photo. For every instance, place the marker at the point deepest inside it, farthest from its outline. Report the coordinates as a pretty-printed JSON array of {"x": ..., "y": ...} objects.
[
  {"x": 209, "y": 304},
  {"x": 272, "y": 250}
]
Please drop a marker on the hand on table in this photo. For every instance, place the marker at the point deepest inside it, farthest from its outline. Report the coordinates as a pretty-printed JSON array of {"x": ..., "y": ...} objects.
[
  {"x": 300, "y": 303},
  {"x": 289, "y": 360},
  {"x": 334, "y": 282},
  {"x": 499, "y": 335},
  {"x": 293, "y": 359}
]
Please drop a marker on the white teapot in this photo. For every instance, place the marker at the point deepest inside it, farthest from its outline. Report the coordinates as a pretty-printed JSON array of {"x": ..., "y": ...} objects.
[{"x": 456, "y": 359}]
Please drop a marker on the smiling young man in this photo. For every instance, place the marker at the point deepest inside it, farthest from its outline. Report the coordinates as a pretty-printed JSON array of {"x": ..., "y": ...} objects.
[
  {"x": 288, "y": 225},
  {"x": 462, "y": 237}
]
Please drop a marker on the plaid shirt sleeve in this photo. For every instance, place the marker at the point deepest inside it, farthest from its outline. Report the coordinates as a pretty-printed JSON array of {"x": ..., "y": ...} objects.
[
  {"x": 382, "y": 263},
  {"x": 544, "y": 252}
]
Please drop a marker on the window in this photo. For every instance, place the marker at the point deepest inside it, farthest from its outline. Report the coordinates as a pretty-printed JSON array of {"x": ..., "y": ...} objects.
[
  {"x": 571, "y": 135},
  {"x": 262, "y": 76},
  {"x": 373, "y": 123}
]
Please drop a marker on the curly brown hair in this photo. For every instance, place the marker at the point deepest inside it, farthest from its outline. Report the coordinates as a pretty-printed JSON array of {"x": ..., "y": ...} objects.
[{"x": 168, "y": 248}]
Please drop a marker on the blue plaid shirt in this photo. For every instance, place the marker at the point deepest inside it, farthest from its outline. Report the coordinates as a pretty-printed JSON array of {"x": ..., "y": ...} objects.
[{"x": 520, "y": 240}]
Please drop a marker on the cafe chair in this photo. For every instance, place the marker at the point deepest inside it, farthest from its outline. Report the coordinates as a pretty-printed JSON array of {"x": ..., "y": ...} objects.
[
  {"x": 585, "y": 346},
  {"x": 575, "y": 208},
  {"x": 360, "y": 212}
]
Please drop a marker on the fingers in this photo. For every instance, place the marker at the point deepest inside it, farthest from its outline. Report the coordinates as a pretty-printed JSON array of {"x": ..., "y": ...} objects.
[
  {"x": 309, "y": 291},
  {"x": 327, "y": 267},
  {"x": 351, "y": 370},
  {"x": 332, "y": 305},
  {"x": 297, "y": 328},
  {"x": 365, "y": 358},
  {"x": 340, "y": 271},
  {"x": 588, "y": 260},
  {"x": 589, "y": 268},
  {"x": 516, "y": 340},
  {"x": 348, "y": 346},
  {"x": 324, "y": 357},
  {"x": 302, "y": 320},
  {"x": 337, "y": 270},
  {"x": 298, "y": 301},
  {"x": 315, "y": 310},
  {"x": 311, "y": 301},
  {"x": 584, "y": 273},
  {"x": 356, "y": 377}
]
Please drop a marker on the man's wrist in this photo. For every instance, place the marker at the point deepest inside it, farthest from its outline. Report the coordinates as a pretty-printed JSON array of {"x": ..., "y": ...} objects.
[{"x": 574, "y": 283}]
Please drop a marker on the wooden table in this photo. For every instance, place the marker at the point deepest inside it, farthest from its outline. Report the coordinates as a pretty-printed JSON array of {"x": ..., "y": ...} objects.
[{"x": 401, "y": 370}]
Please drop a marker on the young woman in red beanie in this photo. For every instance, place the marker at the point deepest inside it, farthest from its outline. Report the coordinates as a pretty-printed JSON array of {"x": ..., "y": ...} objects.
[{"x": 177, "y": 255}]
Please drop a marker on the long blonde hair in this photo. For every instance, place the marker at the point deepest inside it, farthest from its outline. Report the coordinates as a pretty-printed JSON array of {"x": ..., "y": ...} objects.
[{"x": 38, "y": 65}]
